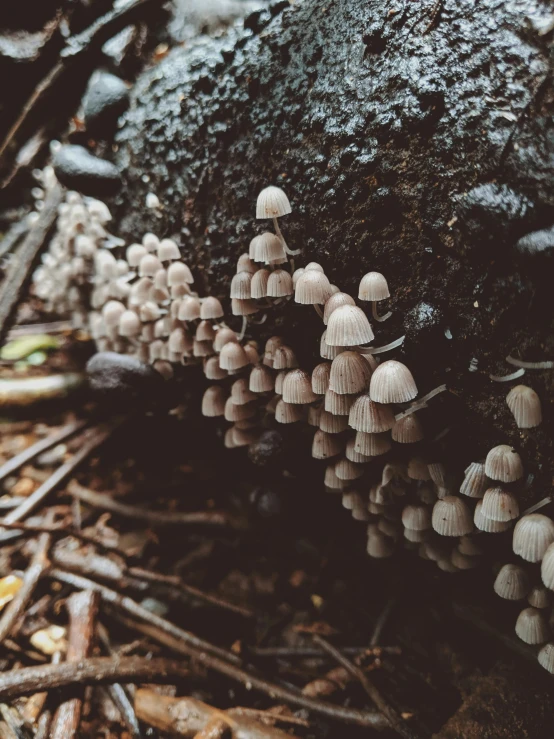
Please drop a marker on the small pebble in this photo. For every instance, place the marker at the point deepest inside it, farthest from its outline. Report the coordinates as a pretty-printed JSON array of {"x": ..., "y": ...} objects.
[{"x": 78, "y": 169}]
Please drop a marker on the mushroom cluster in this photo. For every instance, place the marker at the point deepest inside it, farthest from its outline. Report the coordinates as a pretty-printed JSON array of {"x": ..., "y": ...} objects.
[{"x": 361, "y": 410}]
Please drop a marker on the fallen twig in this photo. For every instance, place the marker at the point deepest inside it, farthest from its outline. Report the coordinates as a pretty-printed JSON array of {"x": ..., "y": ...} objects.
[
  {"x": 82, "y": 608},
  {"x": 374, "y": 694},
  {"x": 155, "y": 518},
  {"x": 19, "y": 270},
  {"x": 34, "y": 450},
  {"x": 91, "y": 671},
  {"x": 34, "y": 572}
]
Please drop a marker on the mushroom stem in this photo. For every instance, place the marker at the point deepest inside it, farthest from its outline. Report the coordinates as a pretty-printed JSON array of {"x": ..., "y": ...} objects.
[
  {"x": 537, "y": 506},
  {"x": 381, "y": 349},
  {"x": 507, "y": 378},
  {"x": 376, "y": 315},
  {"x": 262, "y": 320},
  {"x": 240, "y": 336},
  {"x": 318, "y": 310},
  {"x": 292, "y": 252}
]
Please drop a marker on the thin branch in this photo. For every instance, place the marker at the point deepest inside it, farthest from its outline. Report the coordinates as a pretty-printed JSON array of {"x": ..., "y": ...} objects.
[
  {"x": 154, "y": 518},
  {"x": 373, "y": 693},
  {"x": 91, "y": 671},
  {"x": 20, "y": 267},
  {"x": 34, "y": 450},
  {"x": 273, "y": 690},
  {"x": 32, "y": 575}
]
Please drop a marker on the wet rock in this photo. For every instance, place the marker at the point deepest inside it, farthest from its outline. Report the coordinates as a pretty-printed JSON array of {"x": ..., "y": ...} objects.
[
  {"x": 537, "y": 244},
  {"x": 490, "y": 214},
  {"x": 122, "y": 378},
  {"x": 78, "y": 169},
  {"x": 423, "y": 321},
  {"x": 267, "y": 449},
  {"x": 106, "y": 98}
]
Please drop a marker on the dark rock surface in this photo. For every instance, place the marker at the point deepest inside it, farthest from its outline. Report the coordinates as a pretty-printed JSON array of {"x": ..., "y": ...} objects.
[
  {"x": 118, "y": 376},
  {"x": 78, "y": 169},
  {"x": 105, "y": 99},
  {"x": 422, "y": 155}
]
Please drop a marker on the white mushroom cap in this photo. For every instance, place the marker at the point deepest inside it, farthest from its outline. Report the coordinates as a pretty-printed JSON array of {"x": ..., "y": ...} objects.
[
  {"x": 320, "y": 378},
  {"x": 334, "y": 302},
  {"x": 392, "y": 382},
  {"x": 512, "y": 582},
  {"x": 210, "y": 309},
  {"x": 258, "y": 286},
  {"x": 243, "y": 307},
  {"x": 297, "y": 388},
  {"x": 503, "y": 463},
  {"x": 380, "y": 546},
  {"x": 451, "y": 517},
  {"x": 212, "y": 370},
  {"x": 499, "y": 505},
  {"x": 149, "y": 265},
  {"x": 150, "y": 242},
  {"x": 232, "y": 356},
  {"x": 338, "y": 405},
  {"x": 416, "y": 517},
  {"x": 223, "y": 336},
  {"x": 241, "y": 393},
  {"x": 407, "y": 430},
  {"x": 168, "y": 250},
  {"x": 332, "y": 424},
  {"x": 373, "y": 286},
  {"x": 372, "y": 445},
  {"x": 179, "y": 274},
  {"x": 261, "y": 379},
  {"x": 288, "y": 412},
  {"x": 245, "y": 264},
  {"x": 279, "y": 284},
  {"x": 475, "y": 481},
  {"x": 112, "y": 312},
  {"x": 326, "y": 351},
  {"x": 129, "y": 324},
  {"x": 547, "y": 568},
  {"x": 366, "y": 415},
  {"x": 213, "y": 401},
  {"x": 347, "y": 470},
  {"x": 267, "y": 247},
  {"x": 532, "y": 626},
  {"x": 487, "y": 524},
  {"x": 312, "y": 288},
  {"x": 272, "y": 203},
  {"x": 348, "y": 326},
  {"x": 189, "y": 308},
  {"x": 539, "y": 597},
  {"x": 533, "y": 534},
  {"x": 546, "y": 657},
  {"x": 240, "y": 286},
  {"x": 525, "y": 406},
  {"x": 284, "y": 358}
]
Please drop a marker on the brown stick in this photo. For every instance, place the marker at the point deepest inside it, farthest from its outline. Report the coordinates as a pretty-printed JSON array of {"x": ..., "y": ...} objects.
[
  {"x": 19, "y": 270},
  {"x": 155, "y": 518},
  {"x": 82, "y": 608},
  {"x": 375, "y": 695},
  {"x": 131, "y": 607},
  {"x": 34, "y": 572},
  {"x": 40, "y": 446},
  {"x": 91, "y": 671},
  {"x": 275, "y": 691},
  {"x": 94, "y": 437},
  {"x": 61, "y": 530},
  {"x": 189, "y": 717}
]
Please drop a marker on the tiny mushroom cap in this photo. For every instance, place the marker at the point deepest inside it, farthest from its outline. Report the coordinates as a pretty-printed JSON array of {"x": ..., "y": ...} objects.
[
  {"x": 547, "y": 568},
  {"x": 373, "y": 286},
  {"x": 332, "y": 424},
  {"x": 353, "y": 455},
  {"x": 241, "y": 393},
  {"x": 416, "y": 517},
  {"x": 463, "y": 561},
  {"x": 129, "y": 324},
  {"x": 334, "y": 302},
  {"x": 287, "y": 412},
  {"x": 451, "y": 517},
  {"x": 539, "y": 597},
  {"x": 417, "y": 467},
  {"x": 468, "y": 545},
  {"x": 210, "y": 308},
  {"x": 372, "y": 445},
  {"x": 134, "y": 254},
  {"x": 258, "y": 286},
  {"x": 312, "y": 288},
  {"x": 348, "y": 326},
  {"x": 314, "y": 415},
  {"x": 232, "y": 356},
  {"x": 392, "y": 382},
  {"x": 261, "y": 379},
  {"x": 525, "y": 406},
  {"x": 266, "y": 247},
  {"x": 533, "y": 534},
  {"x": 380, "y": 546},
  {"x": 212, "y": 370},
  {"x": 279, "y": 284},
  {"x": 245, "y": 264},
  {"x": 487, "y": 524},
  {"x": 168, "y": 250},
  {"x": 350, "y": 374},
  {"x": 503, "y": 463},
  {"x": 546, "y": 657},
  {"x": 325, "y": 445},
  {"x": 297, "y": 388},
  {"x": 251, "y": 349},
  {"x": 150, "y": 241},
  {"x": 407, "y": 430},
  {"x": 338, "y": 405},
  {"x": 532, "y": 626},
  {"x": 223, "y": 336},
  {"x": 320, "y": 378},
  {"x": 347, "y": 470},
  {"x": 279, "y": 381},
  {"x": 213, "y": 401},
  {"x": 189, "y": 308},
  {"x": 499, "y": 505},
  {"x": 240, "y": 286},
  {"x": 326, "y": 351},
  {"x": 284, "y": 358},
  {"x": 366, "y": 415},
  {"x": 204, "y": 331},
  {"x": 272, "y": 203},
  {"x": 235, "y": 412},
  {"x": 179, "y": 341},
  {"x": 297, "y": 274},
  {"x": 179, "y": 274},
  {"x": 112, "y": 312},
  {"x": 149, "y": 265},
  {"x": 512, "y": 582},
  {"x": 475, "y": 481}
]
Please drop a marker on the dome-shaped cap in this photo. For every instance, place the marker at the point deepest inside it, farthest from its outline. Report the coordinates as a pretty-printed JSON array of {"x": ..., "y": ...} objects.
[
  {"x": 348, "y": 326},
  {"x": 512, "y": 582},
  {"x": 503, "y": 463},
  {"x": 272, "y": 203},
  {"x": 392, "y": 382},
  {"x": 373, "y": 286},
  {"x": 533, "y": 534}
]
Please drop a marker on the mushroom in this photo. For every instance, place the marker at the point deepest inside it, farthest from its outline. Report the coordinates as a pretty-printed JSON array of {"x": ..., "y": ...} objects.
[{"x": 273, "y": 203}]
